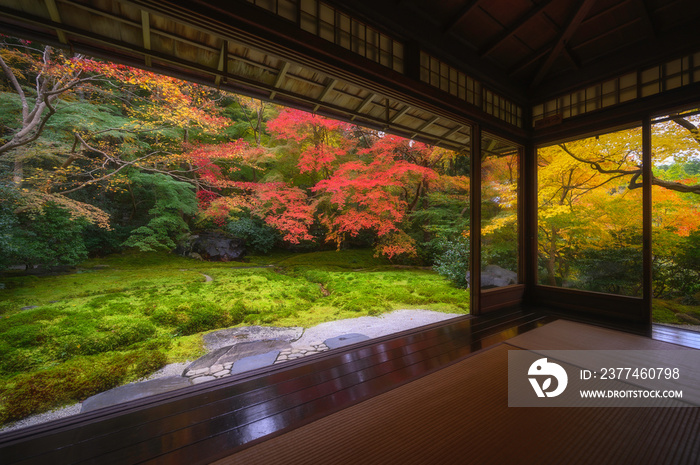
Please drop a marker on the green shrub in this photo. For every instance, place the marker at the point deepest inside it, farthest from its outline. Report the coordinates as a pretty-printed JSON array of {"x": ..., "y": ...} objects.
[
  {"x": 259, "y": 238},
  {"x": 171, "y": 200},
  {"x": 49, "y": 237},
  {"x": 453, "y": 262}
]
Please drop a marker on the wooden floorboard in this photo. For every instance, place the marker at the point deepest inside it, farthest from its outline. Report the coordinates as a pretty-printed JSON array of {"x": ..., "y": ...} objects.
[{"x": 206, "y": 422}]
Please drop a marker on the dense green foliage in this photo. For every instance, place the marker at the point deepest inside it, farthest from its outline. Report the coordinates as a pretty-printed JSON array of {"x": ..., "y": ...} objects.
[
  {"x": 259, "y": 238},
  {"x": 50, "y": 237},
  {"x": 171, "y": 201}
]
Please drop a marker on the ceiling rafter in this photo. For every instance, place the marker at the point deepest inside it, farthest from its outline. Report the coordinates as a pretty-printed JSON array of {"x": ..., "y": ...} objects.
[
  {"x": 520, "y": 22},
  {"x": 426, "y": 125},
  {"x": 146, "y": 31},
  {"x": 361, "y": 107},
  {"x": 223, "y": 59},
  {"x": 567, "y": 32},
  {"x": 573, "y": 59},
  {"x": 326, "y": 90},
  {"x": 459, "y": 15},
  {"x": 452, "y": 131},
  {"x": 398, "y": 115},
  {"x": 278, "y": 80},
  {"x": 56, "y": 17}
]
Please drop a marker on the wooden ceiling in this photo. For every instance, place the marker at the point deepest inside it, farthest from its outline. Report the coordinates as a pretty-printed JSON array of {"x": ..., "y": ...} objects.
[
  {"x": 423, "y": 69},
  {"x": 540, "y": 48}
]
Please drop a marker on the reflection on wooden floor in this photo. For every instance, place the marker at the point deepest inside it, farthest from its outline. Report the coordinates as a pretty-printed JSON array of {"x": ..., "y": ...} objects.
[
  {"x": 229, "y": 416},
  {"x": 675, "y": 335}
]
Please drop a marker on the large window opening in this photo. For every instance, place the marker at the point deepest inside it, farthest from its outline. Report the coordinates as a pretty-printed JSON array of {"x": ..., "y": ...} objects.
[
  {"x": 676, "y": 220},
  {"x": 142, "y": 215},
  {"x": 589, "y": 218},
  {"x": 500, "y": 184}
]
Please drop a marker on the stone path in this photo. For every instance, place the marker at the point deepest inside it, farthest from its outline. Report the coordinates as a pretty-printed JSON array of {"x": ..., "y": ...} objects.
[
  {"x": 273, "y": 346},
  {"x": 251, "y": 362}
]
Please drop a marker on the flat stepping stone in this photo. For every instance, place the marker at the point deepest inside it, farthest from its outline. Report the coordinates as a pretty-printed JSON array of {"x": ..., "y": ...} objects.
[
  {"x": 345, "y": 340},
  {"x": 254, "y": 361},
  {"x": 234, "y": 353},
  {"x": 134, "y": 391},
  {"x": 205, "y": 361},
  {"x": 228, "y": 337},
  {"x": 247, "y": 349}
]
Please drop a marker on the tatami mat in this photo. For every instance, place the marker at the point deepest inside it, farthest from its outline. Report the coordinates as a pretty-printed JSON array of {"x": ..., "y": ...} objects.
[{"x": 460, "y": 415}]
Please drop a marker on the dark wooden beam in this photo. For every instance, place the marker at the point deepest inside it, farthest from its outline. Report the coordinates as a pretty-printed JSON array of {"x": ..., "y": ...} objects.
[
  {"x": 459, "y": 15},
  {"x": 647, "y": 20},
  {"x": 683, "y": 41},
  {"x": 513, "y": 28},
  {"x": 575, "y": 62},
  {"x": 567, "y": 32},
  {"x": 428, "y": 35},
  {"x": 528, "y": 60}
]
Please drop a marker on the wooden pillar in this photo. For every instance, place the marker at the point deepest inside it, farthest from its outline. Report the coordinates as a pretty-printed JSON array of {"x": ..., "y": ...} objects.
[
  {"x": 475, "y": 223},
  {"x": 528, "y": 221},
  {"x": 646, "y": 220}
]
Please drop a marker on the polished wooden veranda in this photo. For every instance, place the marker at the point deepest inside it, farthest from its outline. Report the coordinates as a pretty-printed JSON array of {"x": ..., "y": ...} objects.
[
  {"x": 233, "y": 416},
  {"x": 460, "y": 414}
]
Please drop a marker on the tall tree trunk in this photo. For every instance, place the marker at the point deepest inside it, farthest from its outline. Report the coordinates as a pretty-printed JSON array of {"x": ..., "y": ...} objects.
[{"x": 552, "y": 257}]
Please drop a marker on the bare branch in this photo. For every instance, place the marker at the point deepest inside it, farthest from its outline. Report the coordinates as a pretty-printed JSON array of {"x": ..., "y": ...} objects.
[
  {"x": 694, "y": 130},
  {"x": 13, "y": 79},
  {"x": 634, "y": 184},
  {"x": 596, "y": 166}
]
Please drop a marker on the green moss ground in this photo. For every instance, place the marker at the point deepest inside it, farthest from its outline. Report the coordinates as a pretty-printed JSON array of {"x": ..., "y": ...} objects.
[
  {"x": 122, "y": 317},
  {"x": 668, "y": 311}
]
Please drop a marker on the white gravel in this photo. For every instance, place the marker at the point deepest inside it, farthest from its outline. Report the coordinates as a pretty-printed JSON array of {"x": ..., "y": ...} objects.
[
  {"x": 371, "y": 326},
  {"x": 44, "y": 417}
]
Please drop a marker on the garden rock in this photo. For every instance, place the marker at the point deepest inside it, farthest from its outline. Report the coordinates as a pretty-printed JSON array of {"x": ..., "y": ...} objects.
[
  {"x": 213, "y": 246},
  {"x": 345, "y": 340},
  {"x": 254, "y": 362},
  {"x": 495, "y": 276},
  {"x": 134, "y": 391}
]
